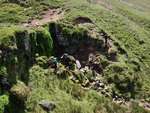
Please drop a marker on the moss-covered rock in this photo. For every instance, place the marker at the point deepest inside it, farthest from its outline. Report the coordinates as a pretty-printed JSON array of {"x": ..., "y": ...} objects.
[
  {"x": 20, "y": 91},
  {"x": 44, "y": 42},
  {"x": 3, "y": 71},
  {"x": 42, "y": 61}
]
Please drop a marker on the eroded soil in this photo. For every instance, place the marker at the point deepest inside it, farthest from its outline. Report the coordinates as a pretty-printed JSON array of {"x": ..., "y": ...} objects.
[{"x": 50, "y": 15}]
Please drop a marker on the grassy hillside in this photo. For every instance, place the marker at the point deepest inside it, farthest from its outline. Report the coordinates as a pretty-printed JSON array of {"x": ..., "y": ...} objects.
[{"x": 28, "y": 32}]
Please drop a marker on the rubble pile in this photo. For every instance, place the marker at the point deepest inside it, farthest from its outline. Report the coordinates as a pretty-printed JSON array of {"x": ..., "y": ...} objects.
[{"x": 89, "y": 76}]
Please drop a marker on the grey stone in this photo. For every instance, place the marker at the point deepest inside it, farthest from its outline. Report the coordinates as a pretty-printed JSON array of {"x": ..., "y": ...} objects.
[
  {"x": 47, "y": 105},
  {"x": 78, "y": 64},
  {"x": 68, "y": 60},
  {"x": 147, "y": 105},
  {"x": 101, "y": 85},
  {"x": 4, "y": 83},
  {"x": 52, "y": 62}
]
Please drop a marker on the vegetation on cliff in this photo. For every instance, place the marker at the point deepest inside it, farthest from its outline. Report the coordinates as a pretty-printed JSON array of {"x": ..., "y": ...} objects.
[{"x": 109, "y": 38}]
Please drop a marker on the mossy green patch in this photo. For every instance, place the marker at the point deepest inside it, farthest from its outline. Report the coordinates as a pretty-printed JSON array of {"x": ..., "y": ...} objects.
[
  {"x": 127, "y": 26},
  {"x": 11, "y": 13},
  {"x": 46, "y": 46},
  {"x": 7, "y": 34},
  {"x": 3, "y": 102}
]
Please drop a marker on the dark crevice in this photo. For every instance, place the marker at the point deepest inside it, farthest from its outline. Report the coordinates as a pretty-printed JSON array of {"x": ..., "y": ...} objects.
[
  {"x": 54, "y": 30},
  {"x": 80, "y": 44},
  {"x": 82, "y": 20}
]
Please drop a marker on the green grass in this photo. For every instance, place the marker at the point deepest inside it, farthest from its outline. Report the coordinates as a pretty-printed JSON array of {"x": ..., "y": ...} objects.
[
  {"x": 7, "y": 35},
  {"x": 69, "y": 97},
  {"x": 128, "y": 26},
  {"x": 128, "y": 29},
  {"x": 11, "y": 13},
  {"x": 3, "y": 102}
]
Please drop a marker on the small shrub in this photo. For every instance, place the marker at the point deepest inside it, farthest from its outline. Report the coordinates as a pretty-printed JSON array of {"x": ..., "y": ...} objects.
[
  {"x": 3, "y": 102},
  {"x": 125, "y": 81},
  {"x": 42, "y": 61}
]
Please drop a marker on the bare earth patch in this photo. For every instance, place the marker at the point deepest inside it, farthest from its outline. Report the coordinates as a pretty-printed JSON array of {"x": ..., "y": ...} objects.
[{"x": 50, "y": 15}]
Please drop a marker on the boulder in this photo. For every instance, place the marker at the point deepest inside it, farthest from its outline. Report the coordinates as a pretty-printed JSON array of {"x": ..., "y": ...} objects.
[
  {"x": 47, "y": 105},
  {"x": 102, "y": 85},
  {"x": 68, "y": 60},
  {"x": 78, "y": 65},
  {"x": 4, "y": 83},
  {"x": 112, "y": 53},
  {"x": 147, "y": 105},
  {"x": 94, "y": 63},
  {"x": 20, "y": 91},
  {"x": 52, "y": 62}
]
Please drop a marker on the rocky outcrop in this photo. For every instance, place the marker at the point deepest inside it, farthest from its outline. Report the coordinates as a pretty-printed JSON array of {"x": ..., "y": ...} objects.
[
  {"x": 90, "y": 62},
  {"x": 25, "y": 46},
  {"x": 47, "y": 105}
]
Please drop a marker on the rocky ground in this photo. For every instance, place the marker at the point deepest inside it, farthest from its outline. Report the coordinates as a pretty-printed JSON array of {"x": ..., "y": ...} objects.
[{"x": 86, "y": 56}]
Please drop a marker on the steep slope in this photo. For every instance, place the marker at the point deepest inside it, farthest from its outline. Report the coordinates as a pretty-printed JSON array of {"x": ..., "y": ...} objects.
[{"x": 35, "y": 34}]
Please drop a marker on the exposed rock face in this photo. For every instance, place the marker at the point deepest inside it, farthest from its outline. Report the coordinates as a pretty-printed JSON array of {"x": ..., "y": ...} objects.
[
  {"x": 82, "y": 20},
  {"x": 81, "y": 45},
  {"x": 84, "y": 64},
  {"x": 87, "y": 77},
  {"x": 21, "y": 55}
]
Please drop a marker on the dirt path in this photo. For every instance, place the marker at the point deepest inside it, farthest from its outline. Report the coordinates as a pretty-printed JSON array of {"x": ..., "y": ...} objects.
[{"x": 50, "y": 15}]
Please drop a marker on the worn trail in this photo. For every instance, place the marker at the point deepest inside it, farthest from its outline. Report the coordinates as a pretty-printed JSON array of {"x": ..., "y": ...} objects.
[{"x": 50, "y": 15}]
